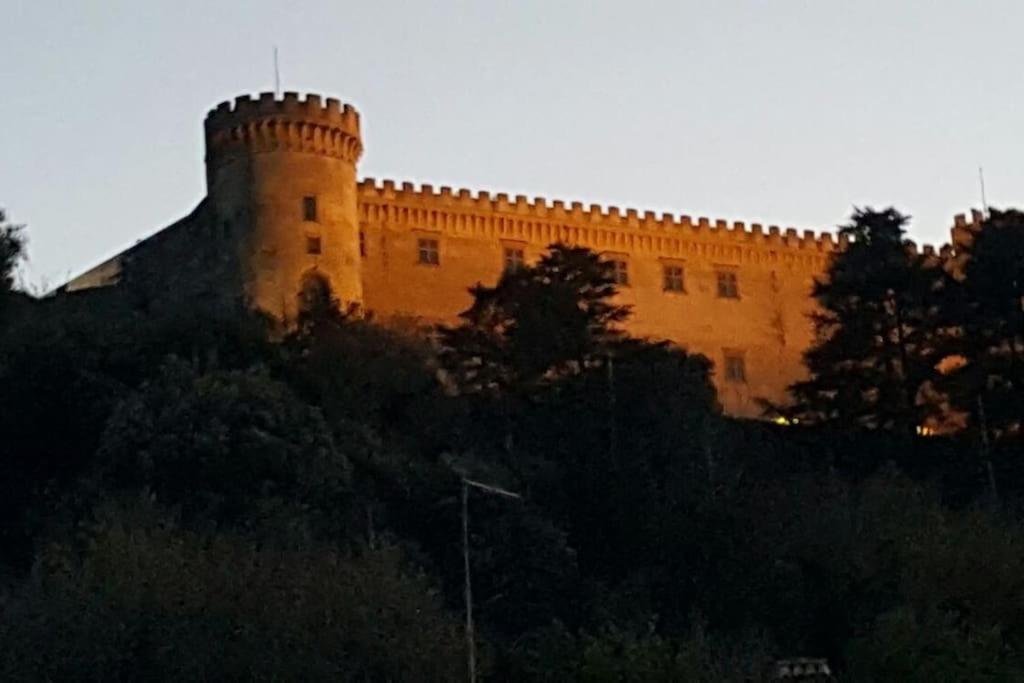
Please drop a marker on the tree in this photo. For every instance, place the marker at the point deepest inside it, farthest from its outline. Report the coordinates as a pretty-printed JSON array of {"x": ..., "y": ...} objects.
[
  {"x": 144, "y": 599},
  {"x": 12, "y": 251},
  {"x": 877, "y": 341},
  {"x": 539, "y": 323},
  {"x": 56, "y": 392},
  {"x": 354, "y": 369},
  {"x": 990, "y": 383},
  {"x": 230, "y": 449},
  {"x": 623, "y": 444}
]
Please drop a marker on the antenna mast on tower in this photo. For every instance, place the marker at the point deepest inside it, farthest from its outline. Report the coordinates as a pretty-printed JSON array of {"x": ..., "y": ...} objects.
[
  {"x": 277, "y": 75},
  {"x": 984, "y": 202}
]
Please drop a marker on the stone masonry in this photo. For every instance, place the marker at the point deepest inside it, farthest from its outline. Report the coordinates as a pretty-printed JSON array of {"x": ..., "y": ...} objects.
[{"x": 283, "y": 197}]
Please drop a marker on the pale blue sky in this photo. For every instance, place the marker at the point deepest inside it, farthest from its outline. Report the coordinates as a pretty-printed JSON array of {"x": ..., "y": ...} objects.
[{"x": 782, "y": 112}]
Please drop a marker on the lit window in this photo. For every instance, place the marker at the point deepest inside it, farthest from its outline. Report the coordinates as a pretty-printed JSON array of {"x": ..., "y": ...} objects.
[
  {"x": 429, "y": 253},
  {"x": 514, "y": 260},
  {"x": 735, "y": 367},
  {"x": 313, "y": 245},
  {"x": 362, "y": 244},
  {"x": 309, "y": 209},
  {"x": 673, "y": 278},
  {"x": 620, "y": 272},
  {"x": 728, "y": 285}
]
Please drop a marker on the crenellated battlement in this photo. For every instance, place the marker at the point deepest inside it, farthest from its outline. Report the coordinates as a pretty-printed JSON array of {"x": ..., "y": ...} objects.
[
  {"x": 961, "y": 220},
  {"x": 576, "y": 213},
  {"x": 284, "y": 209},
  {"x": 292, "y": 106},
  {"x": 266, "y": 123}
]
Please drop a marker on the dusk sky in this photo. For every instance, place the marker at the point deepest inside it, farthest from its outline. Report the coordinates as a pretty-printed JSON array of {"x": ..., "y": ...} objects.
[{"x": 783, "y": 112}]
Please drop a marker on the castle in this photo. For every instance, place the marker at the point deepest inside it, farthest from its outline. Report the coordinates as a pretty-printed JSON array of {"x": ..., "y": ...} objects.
[{"x": 284, "y": 204}]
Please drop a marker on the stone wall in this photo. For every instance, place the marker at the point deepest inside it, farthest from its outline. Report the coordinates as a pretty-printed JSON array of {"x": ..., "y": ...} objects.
[
  {"x": 266, "y": 157},
  {"x": 766, "y": 325}
]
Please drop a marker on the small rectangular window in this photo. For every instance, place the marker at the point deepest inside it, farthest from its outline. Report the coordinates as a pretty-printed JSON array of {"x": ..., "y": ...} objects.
[
  {"x": 429, "y": 252},
  {"x": 673, "y": 278},
  {"x": 735, "y": 367},
  {"x": 728, "y": 285},
  {"x": 313, "y": 245},
  {"x": 362, "y": 244},
  {"x": 514, "y": 259},
  {"x": 620, "y": 272},
  {"x": 309, "y": 209}
]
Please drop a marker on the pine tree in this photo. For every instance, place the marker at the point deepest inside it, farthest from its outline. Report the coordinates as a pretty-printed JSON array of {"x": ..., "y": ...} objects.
[{"x": 876, "y": 330}]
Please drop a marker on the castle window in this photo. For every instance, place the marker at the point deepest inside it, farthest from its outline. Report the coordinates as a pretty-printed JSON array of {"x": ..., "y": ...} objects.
[
  {"x": 362, "y": 244},
  {"x": 313, "y": 244},
  {"x": 620, "y": 272},
  {"x": 728, "y": 285},
  {"x": 735, "y": 367},
  {"x": 429, "y": 252},
  {"x": 309, "y": 209},
  {"x": 672, "y": 278},
  {"x": 514, "y": 260}
]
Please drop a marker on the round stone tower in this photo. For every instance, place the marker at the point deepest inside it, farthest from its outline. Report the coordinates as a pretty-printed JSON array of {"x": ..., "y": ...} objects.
[{"x": 281, "y": 188}]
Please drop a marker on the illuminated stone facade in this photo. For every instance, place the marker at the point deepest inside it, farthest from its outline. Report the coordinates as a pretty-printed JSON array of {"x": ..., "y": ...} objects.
[{"x": 283, "y": 197}]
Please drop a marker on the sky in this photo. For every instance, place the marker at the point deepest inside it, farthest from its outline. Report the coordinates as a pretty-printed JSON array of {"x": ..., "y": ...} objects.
[{"x": 781, "y": 112}]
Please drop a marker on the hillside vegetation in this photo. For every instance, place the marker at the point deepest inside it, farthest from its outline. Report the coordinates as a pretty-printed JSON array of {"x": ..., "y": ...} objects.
[{"x": 188, "y": 492}]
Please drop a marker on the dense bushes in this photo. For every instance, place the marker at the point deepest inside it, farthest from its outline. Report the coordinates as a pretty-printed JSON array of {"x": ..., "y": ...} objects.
[{"x": 188, "y": 496}]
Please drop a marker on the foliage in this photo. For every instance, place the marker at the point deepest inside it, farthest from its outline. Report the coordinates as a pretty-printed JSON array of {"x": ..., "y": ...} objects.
[
  {"x": 227, "y": 448},
  {"x": 990, "y": 384},
  {"x": 932, "y": 647},
  {"x": 12, "y": 251},
  {"x": 645, "y": 414},
  {"x": 877, "y": 331},
  {"x": 150, "y": 601},
  {"x": 507, "y": 338},
  {"x": 616, "y": 655},
  {"x": 356, "y": 370},
  {"x": 65, "y": 364},
  {"x": 201, "y": 495},
  {"x": 57, "y": 388}
]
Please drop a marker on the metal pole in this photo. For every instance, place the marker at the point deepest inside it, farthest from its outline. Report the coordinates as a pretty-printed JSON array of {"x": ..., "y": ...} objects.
[
  {"x": 984, "y": 201},
  {"x": 277, "y": 75},
  {"x": 470, "y": 640},
  {"x": 470, "y": 636}
]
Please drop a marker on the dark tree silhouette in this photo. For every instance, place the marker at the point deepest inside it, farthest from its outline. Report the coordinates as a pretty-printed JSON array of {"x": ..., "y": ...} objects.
[
  {"x": 538, "y": 323},
  {"x": 12, "y": 251},
  {"x": 229, "y": 448},
  {"x": 876, "y": 346},
  {"x": 989, "y": 385}
]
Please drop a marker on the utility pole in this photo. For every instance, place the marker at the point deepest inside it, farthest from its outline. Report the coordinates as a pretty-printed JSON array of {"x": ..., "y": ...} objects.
[{"x": 470, "y": 636}]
